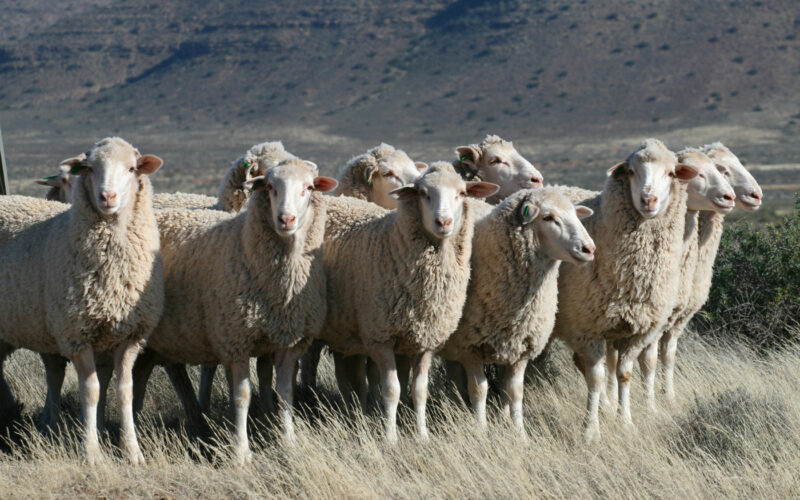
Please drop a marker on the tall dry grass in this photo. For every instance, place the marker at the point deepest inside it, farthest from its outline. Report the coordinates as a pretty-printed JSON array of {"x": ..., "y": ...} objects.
[{"x": 734, "y": 432}]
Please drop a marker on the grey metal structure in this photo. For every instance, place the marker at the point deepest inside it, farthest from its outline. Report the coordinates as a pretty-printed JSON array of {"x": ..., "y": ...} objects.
[{"x": 3, "y": 175}]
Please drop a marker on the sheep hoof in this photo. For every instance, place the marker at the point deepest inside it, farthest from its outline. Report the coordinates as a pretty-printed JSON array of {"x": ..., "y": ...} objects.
[{"x": 592, "y": 434}]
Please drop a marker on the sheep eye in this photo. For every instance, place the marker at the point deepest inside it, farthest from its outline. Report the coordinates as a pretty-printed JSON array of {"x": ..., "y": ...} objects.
[
  {"x": 132, "y": 169},
  {"x": 495, "y": 161},
  {"x": 548, "y": 218},
  {"x": 462, "y": 194},
  {"x": 702, "y": 176}
]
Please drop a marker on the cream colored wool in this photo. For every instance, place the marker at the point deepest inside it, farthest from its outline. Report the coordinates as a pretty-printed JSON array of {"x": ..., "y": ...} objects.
[
  {"x": 387, "y": 282},
  {"x": 232, "y": 193},
  {"x": 234, "y": 287},
  {"x": 166, "y": 201},
  {"x": 511, "y": 300},
  {"x": 354, "y": 178}
]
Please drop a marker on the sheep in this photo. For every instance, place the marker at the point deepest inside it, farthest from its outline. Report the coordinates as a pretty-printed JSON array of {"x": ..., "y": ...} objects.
[
  {"x": 397, "y": 281},
  {"x": 496, "y": 160},
  {"x": 60, "y": 185},
  {"x": 89, "y": 279},
  {"x": 709, "y": 232},
  {"x": 233, "y": 194},
  {"x": 626, "y": 293},
  {"x": 369, "y": 176},
  {"x": 166, "y": 201},
  {"x": 511, "y": 300},
  {"x": 246, "y": 285},
  {"x": 708, "y": 192}
]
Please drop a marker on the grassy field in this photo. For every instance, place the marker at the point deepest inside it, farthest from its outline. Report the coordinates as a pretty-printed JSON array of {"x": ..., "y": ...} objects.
[{"x": 734, "y": 432}]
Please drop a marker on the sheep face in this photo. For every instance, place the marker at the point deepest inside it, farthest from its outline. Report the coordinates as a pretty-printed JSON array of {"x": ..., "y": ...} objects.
[
  {"x": 748, "y": 193},
  {"x": 557, "y": 223},
  {"x": 394, "y": 171},
  {"x": 440, "y": 193},
  {"x": 651, "y": 169},
  {"x": 290, "y": 185},
  {"x": 62, "y": 183},
  {"x": 708, "y": 190},
  {"x": 110, "y": 173},
  {"x": 499, "y": 162}
]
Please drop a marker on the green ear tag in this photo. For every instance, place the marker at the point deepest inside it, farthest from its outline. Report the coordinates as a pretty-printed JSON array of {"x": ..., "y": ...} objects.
[
  {"x": 49, "y": 177},
  {"x": 253, "y": 171},
  {"x": 368, "y": 176},
  {"x": 526, "y": 210},
  {"x": 245, "y": 164},
  {"x": 77, "y": 168},
  {"x": 466, "y": 157}
]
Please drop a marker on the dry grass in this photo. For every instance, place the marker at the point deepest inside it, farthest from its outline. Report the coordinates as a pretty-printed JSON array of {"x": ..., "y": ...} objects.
[{"x": 734, "y": 432}]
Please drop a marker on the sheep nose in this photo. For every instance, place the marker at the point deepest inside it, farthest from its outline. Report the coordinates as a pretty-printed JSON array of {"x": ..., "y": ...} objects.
[
  {"x": 108, "y": 196},
  {"x": 756, "y": 196},
  {"x": 536, "y": 181},
  {"x": 444, "y": 222},
  {"x": 588, "y": 250},
  {"x": 649, "y": 201},
  {"x": 288, "y": 220},
  {"x": 728, "y": 196}
]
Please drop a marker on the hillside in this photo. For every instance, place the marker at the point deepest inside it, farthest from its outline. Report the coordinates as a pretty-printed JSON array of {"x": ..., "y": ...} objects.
[{"x": 200, "y": 81}]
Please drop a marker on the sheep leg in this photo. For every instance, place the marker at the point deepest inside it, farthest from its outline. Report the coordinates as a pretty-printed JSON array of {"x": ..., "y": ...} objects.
[
  {"x": 419, "y": 393},
  {"x": 373, "y": 383},
  {"x": 309, "y": 365},
  {"x": 8, "y": 403},
  {"x": 404, "y": 369},
  {"x": 104, "y": 373},
  {"x": 610, "y": 389},
  {"x": 285, "y": 363},
  {"x": 477, "y": 389},
  {"x": 390, "y": 387},
  {"x": 591, "y": 364},
  {"x": 360, "y": 382},
  {"x": 648, "y": 360},
  {"x": 54, "y": 367},
  {"x": 124, "y": 359},
  {"x": 457, "y": 374},
  {"x": 206, "y": 385},
  {"x": 240, "y": 398},
  {"x": 515, "y": 379},
  {"x": 264, "y": 366},
  {"x": 142, "y": 369},
  {"x": 624, "y": 372},
  {"x": 343, "y": 368},
  {"x": 183, "y": 388},
  {"x": 669, "y": 348},
  {"x": 89, "y": 387}
]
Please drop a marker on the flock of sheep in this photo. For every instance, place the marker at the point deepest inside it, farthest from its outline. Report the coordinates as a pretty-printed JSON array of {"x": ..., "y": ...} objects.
[{"x": 405, "y": 261}]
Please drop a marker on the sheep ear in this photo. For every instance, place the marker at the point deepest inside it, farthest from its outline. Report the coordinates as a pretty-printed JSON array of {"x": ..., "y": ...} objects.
[
  {"x": 469, "y": 155},
  {"x": 312, "y": 165},
  {"x": 256, "y": 183},
  {"x": 619, "y": 170},
  {"x": 405, "y": 193},
  {"x": 421, "y": 165},
  {"x": 583, "y": 212},
  {"x": 50, "y": 180},
  {"x": 527, "y": 212},
  {"x": 481, "y": 189},
  {"x": 684, "y": 172},
  {"x": 325, "y": 184},
  {"x": 76, "y": 165},
  {"x": 148, "y": 164}
]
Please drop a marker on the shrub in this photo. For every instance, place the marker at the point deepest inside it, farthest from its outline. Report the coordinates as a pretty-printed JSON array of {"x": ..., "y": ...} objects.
[{"x": 755, "y": 292}]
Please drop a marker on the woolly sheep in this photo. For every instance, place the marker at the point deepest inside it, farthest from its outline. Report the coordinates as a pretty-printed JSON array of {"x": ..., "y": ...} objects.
[
  {"x": 247, "y": 285},
  {"x": 397, "y": 280},
  {"x": 370, "y": 176},
  {"x": 496, "y": 160},
  {"x": 233, "y": 194},
  {"x": 89, "y": 279},
  {"x": 707, "y": 192},
  {"x": 709, "y": 232},
  {"x": 60, "y": 185},
  {"x": 511, "y": 299},
  {"x": 626, "y": 293}
]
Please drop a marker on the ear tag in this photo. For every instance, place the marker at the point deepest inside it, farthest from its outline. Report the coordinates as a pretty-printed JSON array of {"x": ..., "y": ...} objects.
[
  {"x": 77, "y": 168},
  {"x": 368, "y": 176},
  {"x": 49, "y": 177},
  {"x": 526, "y": 210},
  {"x": 466, "y": 157}
]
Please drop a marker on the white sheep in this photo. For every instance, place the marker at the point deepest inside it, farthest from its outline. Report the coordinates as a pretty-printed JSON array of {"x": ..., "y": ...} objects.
[
  {"x": 498, "y": 161},
  {"x": 709, "y": 232},
  {"x": 511, "y": 299},
  {"x": 89, "y": 279},
  {"x": 370, "y": 176},
  {"x": 708, "y": 192},
  {"x": 626, "y": 293},
  {"x": 247, "y": 285},
  {"x": 233, "y": 193},
  {"x": 60, "y": 185},
  {"x": 397, "y": 280}
]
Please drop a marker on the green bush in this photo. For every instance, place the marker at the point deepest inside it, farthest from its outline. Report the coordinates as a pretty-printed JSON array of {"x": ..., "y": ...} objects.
[{"x": 755, "y": 293}]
